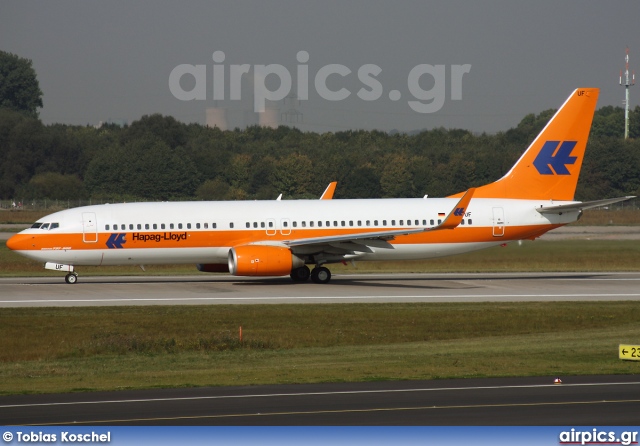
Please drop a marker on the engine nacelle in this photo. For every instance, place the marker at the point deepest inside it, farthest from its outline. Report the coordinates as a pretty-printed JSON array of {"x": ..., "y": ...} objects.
[
  {"x": 213, "y": 267},
  {"x": 262, "y": 260}
]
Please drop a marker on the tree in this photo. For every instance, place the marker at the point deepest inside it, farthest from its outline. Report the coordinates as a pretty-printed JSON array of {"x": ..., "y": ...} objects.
[
  {"x": 142, "y": 169},
  {"x": 19, "y": 88},
  {"x": 54, "y": 186}
]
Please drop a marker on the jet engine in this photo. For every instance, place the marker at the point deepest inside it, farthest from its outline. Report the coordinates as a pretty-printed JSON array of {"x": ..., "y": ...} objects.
[{"x": 262, "y": 260}]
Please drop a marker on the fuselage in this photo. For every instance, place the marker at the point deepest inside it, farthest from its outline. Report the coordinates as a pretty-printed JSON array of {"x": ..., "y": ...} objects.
[{"x": 204, "y": 232}]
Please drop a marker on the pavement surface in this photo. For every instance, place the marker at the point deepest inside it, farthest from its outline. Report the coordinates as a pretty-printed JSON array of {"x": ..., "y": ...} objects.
[
  {"x": 351, "y": 288},
  {"x": 578, "y": 401}
]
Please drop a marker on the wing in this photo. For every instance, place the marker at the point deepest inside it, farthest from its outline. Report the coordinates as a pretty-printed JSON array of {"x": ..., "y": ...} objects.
[{"x": 380, "y": 239}]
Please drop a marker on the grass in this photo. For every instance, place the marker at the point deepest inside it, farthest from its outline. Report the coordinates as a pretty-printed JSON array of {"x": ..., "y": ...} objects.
[{"x": 73, "y": 349}]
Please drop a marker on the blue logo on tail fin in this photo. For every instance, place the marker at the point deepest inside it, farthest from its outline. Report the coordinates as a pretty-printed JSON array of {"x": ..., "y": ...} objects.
[{"x": 549, "y": 158}]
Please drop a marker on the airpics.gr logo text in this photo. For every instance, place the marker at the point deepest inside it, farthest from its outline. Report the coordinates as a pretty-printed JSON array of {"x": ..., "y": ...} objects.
[{"x": 423, "y": 101}]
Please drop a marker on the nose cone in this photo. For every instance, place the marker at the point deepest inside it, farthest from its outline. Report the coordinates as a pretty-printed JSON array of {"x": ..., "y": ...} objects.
[{"x": 20, "y": 242}]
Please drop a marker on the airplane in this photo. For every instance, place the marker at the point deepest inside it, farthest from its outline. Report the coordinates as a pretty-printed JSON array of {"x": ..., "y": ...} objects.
[{"x": 279, "y": 238}]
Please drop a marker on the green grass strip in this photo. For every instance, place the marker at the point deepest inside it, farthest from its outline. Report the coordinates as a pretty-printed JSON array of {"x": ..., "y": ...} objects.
[{"x": 107, "y": 348}]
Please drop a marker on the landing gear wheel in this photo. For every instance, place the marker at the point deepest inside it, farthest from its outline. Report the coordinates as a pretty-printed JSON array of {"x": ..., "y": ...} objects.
[
  {"x": 320, "y": 275},
  {"x": 71, "y": 278},
  {"x": 300, "y": 274}
]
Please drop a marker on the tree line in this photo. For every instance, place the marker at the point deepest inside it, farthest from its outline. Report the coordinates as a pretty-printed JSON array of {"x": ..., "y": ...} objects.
[{"x": 160, "y": 158}]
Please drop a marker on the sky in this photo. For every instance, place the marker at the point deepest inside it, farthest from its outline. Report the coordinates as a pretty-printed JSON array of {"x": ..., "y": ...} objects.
[{"x": 476, "y": 65}]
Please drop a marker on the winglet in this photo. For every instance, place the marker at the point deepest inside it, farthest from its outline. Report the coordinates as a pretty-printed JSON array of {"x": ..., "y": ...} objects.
[
  {"x": 328, "y": 192},
  {"x": 457, "y": 213}
]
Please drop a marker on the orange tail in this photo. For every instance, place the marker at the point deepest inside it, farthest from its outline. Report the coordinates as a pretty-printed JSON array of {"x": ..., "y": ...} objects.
[{"x": 549, "y": 168}]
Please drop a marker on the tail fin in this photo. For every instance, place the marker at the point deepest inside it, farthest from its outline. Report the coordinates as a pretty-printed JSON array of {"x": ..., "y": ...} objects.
[{"x": 549, "y": 168}]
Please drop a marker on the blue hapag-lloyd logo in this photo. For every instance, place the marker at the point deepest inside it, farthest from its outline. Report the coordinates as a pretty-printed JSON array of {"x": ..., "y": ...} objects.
[
  {"x": 458, "y": 212},
  {"x": 552, "y": 160},
  {"x": 116, "y": 241}
]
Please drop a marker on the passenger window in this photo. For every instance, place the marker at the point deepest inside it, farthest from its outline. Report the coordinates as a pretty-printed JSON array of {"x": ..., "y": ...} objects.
[
  {"x": 304, "y": 224},
  {"x": 350, "y": 222},
  {"x": 319, "y": 224},
  {"x": 375, "y": 222},
  {"x": 417, "y": 222},
  {"x": 106, "y": 227},
  {"x": 214, "y": 225},
  {"x": 469, "y": 221},
  {"x": 401, "y": 222},
  {"x": 248, "y": 225},
  {"x": 146, "y": 225},
  {"x": 271, "y": 224},
  {"x": 393, "y": 222},
  {"x": 206, "y": 225},
  {"x": 342, "y": 223},
  {"x": 255, "y": 224},
  {"x": 295, "y": 224},
  {"x": 431, "y": 222},
  {"x": 335, "y": 223},
  {"x": 231, "y": 225},
  {"x": 188, "y": 225},
  {"x": 155, "y": 226},
  {"x": 384, "y": 222},
  {"x": 197, "y": 225},
  {"x": 439, "y": 221},
  {"x": 171, "y": 226},
  {"x": 359, "y": 222},
  {"x": 262, "y": 224},
  {"x": 179, "y": 225},
  {"x": 139, "y": 226},
  {"x": 285, "y": 224},
  {"x": 462, "y": 221},
  {"x": 122, "y": 227},
  {"x": 162, "y": 226},
  {"x": 424, "y": 222},
  {"x": 311, "y": 224},
  {"x": 131, "y": 227}
]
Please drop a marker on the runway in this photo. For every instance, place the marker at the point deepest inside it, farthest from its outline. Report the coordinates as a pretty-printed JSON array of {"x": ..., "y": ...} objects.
[
  {"x": 352, "y": 288},
  {"x": 579, "y": 401}
]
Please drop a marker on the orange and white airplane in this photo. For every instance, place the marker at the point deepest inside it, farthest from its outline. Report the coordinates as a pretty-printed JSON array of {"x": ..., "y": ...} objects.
[{"x": 275, "y": 238}]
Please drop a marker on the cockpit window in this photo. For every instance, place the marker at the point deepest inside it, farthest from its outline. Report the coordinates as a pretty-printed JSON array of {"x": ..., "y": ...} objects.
[
  {"x": 45, "y": 226},
  {"x": 54, "y": 226},
  {"x": 36, "y": 225}
]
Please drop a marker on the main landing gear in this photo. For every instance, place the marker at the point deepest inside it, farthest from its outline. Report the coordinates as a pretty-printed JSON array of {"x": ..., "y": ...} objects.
[
  {"x": 319, "y": 274},
  {"x": 71, "y": 278}
]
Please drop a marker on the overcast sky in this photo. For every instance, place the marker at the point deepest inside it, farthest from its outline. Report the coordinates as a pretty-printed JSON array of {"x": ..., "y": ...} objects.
[{"x": 111, "y": 60}]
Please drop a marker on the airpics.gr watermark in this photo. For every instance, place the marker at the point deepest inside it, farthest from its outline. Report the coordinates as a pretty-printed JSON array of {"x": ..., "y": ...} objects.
[{"x": 423, "y": 101}]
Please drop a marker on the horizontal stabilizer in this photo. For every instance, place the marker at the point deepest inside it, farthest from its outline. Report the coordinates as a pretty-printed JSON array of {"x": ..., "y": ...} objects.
[{"x": 559, "y": 209}]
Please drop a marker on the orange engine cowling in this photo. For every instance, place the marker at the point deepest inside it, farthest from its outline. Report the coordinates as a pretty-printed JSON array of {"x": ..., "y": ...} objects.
[{"x": 262, "y": 260}]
